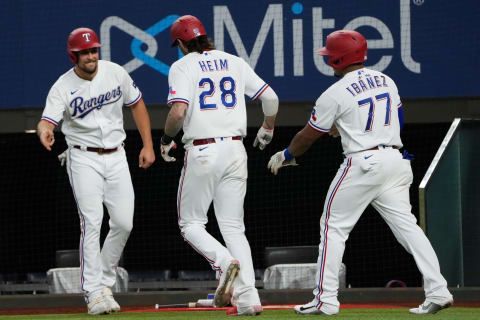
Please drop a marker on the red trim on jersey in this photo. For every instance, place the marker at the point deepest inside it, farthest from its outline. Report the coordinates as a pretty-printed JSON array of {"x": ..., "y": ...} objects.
[
  {"x": 50, "y": 121},
  {"x": 318, "y": 128},
  {"x": 135, "y": 103},
  {"x": 258, "y": 94},
  {"x": 169, "y": 103}
]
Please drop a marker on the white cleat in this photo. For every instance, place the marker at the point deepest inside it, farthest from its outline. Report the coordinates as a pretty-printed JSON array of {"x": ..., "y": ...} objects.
[
  {"x": 108, "y": 296},
  {"x": 223, "y": 294},
  {"x": 248, "y": 311},
  {"x": 309, "y": 308},
  {"x": 98, "y": 306},
  {"x": 430, "y": 307}
]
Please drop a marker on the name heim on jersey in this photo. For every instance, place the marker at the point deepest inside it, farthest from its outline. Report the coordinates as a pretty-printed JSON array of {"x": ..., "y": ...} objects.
[
  {"x": 213, "y": 65},
  {"x": 82, "y": 107}
]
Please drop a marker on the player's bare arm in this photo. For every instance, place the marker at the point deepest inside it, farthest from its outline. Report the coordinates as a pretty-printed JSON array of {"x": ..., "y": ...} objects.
[
  {"x": 302, "y": 141},
  {"x": 142, "y": 120},
  {"x": 175, "y": 119},
  {"x": 173, "y": 124},
  {"x": 45, "y": 133}
]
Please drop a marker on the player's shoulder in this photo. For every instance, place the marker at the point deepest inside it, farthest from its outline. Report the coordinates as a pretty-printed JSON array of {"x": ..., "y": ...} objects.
[
  {"x": 110, "y": 66},
  {"x": 330, "y": 95},
  {"x": 183, "y": 62},
  {"x": 65, "y": 80}
]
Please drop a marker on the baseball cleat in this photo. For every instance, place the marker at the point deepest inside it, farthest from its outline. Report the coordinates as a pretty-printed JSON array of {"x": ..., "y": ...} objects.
[
  {"x": 429, "y": 307},
  {"x": 223, "y": 293},
  {"x": 108, "y": 296},
  {"x": 249, "y": 311},
  {"x": 308, "y": 308},
  {"x": 98, "y": 306}
]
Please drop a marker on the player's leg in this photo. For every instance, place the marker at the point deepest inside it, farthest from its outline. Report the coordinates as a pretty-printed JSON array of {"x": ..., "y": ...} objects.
[
  {"x": 228, "y": 203},
  {"x": 195, "y": 192},
  {"x": 349, "y": 194},
  {"x": 119, "y": 201},
  {"x": 394, "y": 206},
  {"x": 86, "y": 180}
]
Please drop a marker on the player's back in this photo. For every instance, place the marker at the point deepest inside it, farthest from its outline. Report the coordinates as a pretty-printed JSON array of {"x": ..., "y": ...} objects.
[
  {"x": 367, "y": 110},
  {"x": 216, "y": 94}
]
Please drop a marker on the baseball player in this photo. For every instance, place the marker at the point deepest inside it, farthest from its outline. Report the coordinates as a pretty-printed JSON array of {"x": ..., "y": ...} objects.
[
  {"x": 365, "y": 108},
  {"x": 89, "y": 98},
  {"x": 206, "y": 96}
]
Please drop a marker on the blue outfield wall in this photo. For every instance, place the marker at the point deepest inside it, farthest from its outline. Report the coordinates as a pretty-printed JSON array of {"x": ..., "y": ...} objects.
[{"x": 429, "y": 47}]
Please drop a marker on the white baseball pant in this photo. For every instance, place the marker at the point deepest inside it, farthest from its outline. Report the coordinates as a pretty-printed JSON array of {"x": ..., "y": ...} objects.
[
  {"x": 96, "y": 180},
  {"x": 383, "y": 178},
  {"x": 218, "y": 172}
]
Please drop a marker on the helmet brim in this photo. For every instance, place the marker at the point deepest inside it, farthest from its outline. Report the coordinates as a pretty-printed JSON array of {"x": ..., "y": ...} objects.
[
  {"x": 93, "y": 45},
  {"x": 323, "y": 52}
]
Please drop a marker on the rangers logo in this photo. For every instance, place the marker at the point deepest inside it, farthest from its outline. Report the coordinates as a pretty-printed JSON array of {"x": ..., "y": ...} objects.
[
  {"x": 314, "y": 118},
  {"x": 86, "y": 36},
  {"x": 196, "y": 32}
]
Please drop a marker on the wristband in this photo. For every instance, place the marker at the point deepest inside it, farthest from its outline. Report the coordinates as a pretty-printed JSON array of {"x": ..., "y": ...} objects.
[
  {"x": 288, "y": 156},
  {"x": 166, "y": 139}
]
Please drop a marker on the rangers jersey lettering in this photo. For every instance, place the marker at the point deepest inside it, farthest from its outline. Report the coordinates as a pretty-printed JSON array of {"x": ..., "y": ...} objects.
[{"x": 92, "y": 110}]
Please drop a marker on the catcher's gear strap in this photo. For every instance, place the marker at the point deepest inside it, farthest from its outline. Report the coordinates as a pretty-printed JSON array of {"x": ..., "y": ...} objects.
[{"x": 269, "y": 102}]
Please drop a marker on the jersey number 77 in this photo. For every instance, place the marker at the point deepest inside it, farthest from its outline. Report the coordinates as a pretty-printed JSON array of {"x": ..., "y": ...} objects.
[{"x": 371, "y": 111}]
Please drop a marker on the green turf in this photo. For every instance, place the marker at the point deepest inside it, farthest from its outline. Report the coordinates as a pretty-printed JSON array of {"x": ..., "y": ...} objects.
[{"x": 364, "y": 314}]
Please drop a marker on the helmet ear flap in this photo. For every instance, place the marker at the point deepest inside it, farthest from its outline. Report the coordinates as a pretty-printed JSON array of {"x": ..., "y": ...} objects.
[{"x": 73, "y": 57}]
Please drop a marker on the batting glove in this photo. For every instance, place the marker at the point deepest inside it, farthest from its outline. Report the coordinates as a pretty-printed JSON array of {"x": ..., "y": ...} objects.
[
  {"x": 278, "y": 160},
  {"x": 264, "y": 137},
  {"x": 62, "y": 157},
  {"x": 165, "y": 149},
  {"x": 408, "y": 156}
]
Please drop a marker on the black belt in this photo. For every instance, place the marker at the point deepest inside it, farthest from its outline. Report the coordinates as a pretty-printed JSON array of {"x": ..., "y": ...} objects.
[
  {"x": 98, "y": 150},
  {"x": 199, "y": 142}
]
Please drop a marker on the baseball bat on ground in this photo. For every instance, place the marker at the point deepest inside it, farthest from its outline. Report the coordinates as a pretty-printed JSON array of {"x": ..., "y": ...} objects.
[
  {"x": 177, "y": 305},
  {"x": 199, "y": 304}
]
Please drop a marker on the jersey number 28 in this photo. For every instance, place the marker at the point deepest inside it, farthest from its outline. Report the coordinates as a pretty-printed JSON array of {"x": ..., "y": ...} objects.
[
  {"x": 371, "y": 111},
  {"x": 227, "y": 88}
]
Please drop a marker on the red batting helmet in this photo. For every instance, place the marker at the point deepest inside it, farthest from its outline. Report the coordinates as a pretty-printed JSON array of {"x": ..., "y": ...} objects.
[
  {"x": 186, "y": 28},
  {"x": 81, "y": 39},
  {"x": 344, "y": 47}
]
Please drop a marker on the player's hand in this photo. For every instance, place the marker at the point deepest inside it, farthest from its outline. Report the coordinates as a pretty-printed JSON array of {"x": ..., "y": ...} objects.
[
  {"x": 278, "y": 160},
  {"x": 264, "y": 137},
  {"x": 334, "y": 132},
  {"x": 146, "y": 157},
  {"x": 62, "y": 157},
  {"x": 165, "y": 149},
  {"x": 47, "y": 138}
]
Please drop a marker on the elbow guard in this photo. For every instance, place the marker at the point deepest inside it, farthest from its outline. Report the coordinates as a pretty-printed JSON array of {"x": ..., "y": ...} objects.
[{"x": 269, "y": 102}]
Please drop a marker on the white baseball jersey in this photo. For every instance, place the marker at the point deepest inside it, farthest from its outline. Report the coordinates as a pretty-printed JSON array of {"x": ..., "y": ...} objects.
[
  {"x": 214, "y": 85},
  {"x": 363, "y": 105},
  {"x": 360, "y": 104},
  {"x": 92, "y": 110}
]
